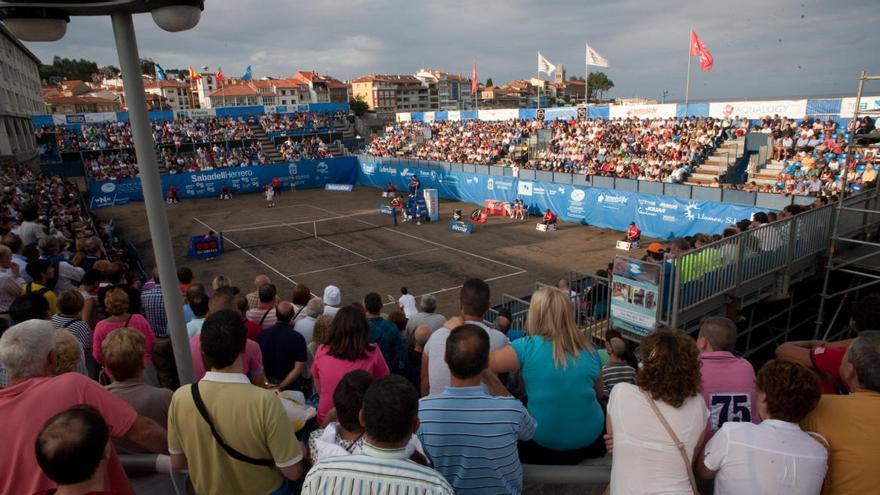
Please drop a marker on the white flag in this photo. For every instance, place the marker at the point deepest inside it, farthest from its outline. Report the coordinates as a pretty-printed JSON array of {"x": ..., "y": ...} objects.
[
  {"x": 594, "y": 58},
  {"x": 544, "y": 65}
]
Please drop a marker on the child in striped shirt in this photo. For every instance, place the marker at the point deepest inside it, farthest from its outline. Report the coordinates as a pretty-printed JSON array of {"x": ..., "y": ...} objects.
[{"x": 616, "y": 370}]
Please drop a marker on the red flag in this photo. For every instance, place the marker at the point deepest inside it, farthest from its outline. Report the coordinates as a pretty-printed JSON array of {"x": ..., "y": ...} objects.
[
  {"x": 219, "y": 74},
  {"x": 474, "y": 81},
  {"x": 698, "y": 49}
]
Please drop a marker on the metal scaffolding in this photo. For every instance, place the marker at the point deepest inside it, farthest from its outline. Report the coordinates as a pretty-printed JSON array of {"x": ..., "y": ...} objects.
[{"x": 855, "y": 247}]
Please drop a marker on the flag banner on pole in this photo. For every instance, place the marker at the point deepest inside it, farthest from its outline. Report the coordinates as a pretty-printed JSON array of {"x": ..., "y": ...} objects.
[
  {"x": 474, "y": 83},
  {"x": 593, "y": 58},
  {"x": 193, "y": 75},
  {"x": 544, "y": 65},
  {"x": 247, "y": 74},
  {"x": 698, "y": 49},
  {"x": 160, "y": 73},
  {"x": 219, "y": 73}
]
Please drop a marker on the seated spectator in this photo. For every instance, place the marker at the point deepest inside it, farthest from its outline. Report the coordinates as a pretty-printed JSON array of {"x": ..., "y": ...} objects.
[
  {"x": 558, "y": 365},
  {"x": 33, "y": 396},
  {"x": 616, "y": 370},
  {"x": 775, "y": 456},
  {"x": 73, "y": 451},
  {"x": 382, "y": 332},
  {"x": 826, "y": 358},
  {"x": 470, "y": 430},
  {"x": 332, "y": 299},
  {"x": 41, "y": 272},
  {"x": 849, "y": 422},
  {"x": 198, "y": 304},
  {"x": 116, "y": 302},
  {"x": 426, "y": 316},
  {"x": 473, "y": 299},
  {"x": 70, "y": 306},
  {"x": 300, "y": 297},
  {"x": 253, "y": 298},
  {"x": 264, "y": 313},
  {"x": 666, "y": 392},
  {"x": 345, "y": 436},
  {"x": 389, "y": 417},
  {"x": 305, "y": 325},
  {"x": 224, "y": 409},
  {"x": 728, "y": 381},
  {"x": 284, "y": 351},
  {"x": 348, "y": 348},
  {"x": 11, "y": 281},
  {"x": 122, "y": 350},
  {"x": 398, "y": 319}
]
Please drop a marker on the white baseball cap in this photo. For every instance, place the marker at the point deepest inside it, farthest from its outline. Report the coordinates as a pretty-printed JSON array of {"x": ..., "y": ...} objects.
[{"x": 332, "y": 296}]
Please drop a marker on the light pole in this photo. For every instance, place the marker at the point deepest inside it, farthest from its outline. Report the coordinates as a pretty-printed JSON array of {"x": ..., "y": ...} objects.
[{"x": 47, "y": 21}]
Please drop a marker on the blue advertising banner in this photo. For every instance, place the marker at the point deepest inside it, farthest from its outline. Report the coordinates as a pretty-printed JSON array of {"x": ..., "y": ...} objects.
[
  {"x": 656, "y": 215},
  {"x": 305, "y": 174},
  {"x": 460, "y": 226},
  {"x": 202, "y": 247}
]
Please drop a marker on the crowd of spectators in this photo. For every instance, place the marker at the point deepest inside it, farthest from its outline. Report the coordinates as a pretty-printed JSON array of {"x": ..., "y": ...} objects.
[
  {"x": 299, "y": 121},
  {"x": 305, "y": 149}
]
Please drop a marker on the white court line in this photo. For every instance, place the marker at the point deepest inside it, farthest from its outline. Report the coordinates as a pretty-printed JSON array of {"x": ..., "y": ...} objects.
[
  {"x": 440, "y": 244},
  {"x": 347, "y": 265},
  {"x": 254, "y": 209},
  {"x": 499, "y": 277},
  {"x": 252, "y": 255},
  {"x": 332, "y": 243},
  {"x": 289, "y": 224}
]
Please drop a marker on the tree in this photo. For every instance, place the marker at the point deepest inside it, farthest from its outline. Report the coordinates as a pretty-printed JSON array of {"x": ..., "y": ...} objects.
[
  {"x": 148, "y": 67},
  {"x": 68, "y": 68},
  {"x": 576, "y": 78},
  {"x": 489, "y": 83},
  {"x": 598, "y": 84},
  {"x": 359, "y": 105}
]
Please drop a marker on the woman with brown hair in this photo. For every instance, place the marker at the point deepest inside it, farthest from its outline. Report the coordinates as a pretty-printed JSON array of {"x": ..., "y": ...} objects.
[
  {"x": 348, "y": 348},
  {"x": 560, "y": 370},
  {"x": 655, "y": 425},
  {"x": 116, "y": 303},
  {"x": 300, "y": 298}
]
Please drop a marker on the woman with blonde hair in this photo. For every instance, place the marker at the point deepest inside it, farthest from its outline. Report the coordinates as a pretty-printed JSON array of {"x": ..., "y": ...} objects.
[
  {"x": 116, "y": 303},
  {"x": 561, "y": 373}
]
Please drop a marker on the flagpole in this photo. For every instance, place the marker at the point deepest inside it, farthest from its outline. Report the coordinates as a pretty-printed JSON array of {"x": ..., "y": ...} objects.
[
  {"x": 586, "y": 83},
  {"x": 687, "y": 86}
]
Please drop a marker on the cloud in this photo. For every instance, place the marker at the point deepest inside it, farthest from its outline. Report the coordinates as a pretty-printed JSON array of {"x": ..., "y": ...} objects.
[{"x": 779, "y": 48}]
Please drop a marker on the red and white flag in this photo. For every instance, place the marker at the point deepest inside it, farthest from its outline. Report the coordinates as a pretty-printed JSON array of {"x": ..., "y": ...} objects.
[
  {"x": 474, "y": 81},
  {"x": 698, "y": 49}
]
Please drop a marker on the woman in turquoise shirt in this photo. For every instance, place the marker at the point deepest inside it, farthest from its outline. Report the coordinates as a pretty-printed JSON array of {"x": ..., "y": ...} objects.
[{"x": 560, "y": 370}]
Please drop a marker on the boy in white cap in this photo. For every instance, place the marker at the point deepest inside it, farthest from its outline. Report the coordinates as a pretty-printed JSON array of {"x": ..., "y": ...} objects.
[{"x": 332, "y": 299}]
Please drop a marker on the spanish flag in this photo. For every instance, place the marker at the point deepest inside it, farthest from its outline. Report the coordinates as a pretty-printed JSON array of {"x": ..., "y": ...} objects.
[{"x": 193, "y": 75}]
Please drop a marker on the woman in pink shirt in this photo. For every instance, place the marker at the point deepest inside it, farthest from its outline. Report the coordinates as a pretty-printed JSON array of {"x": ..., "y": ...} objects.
[
  {"x": 116, "y": 303},
  {"x": 347, "y": 349}
]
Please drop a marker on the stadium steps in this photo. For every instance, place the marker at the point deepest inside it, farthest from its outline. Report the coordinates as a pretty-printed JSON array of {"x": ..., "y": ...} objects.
[
  {"x": 716, "y": 163},
  {"x": 268, "y": 145},
  {"x": 767, "y": 174}
]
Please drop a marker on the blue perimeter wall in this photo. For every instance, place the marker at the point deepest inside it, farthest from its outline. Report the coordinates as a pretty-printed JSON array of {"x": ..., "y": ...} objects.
[{"x": 658, "y": 216}]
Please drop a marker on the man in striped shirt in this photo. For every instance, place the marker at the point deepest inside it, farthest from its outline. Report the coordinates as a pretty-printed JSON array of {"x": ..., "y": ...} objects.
[
  {"x": 470, "y": 430},
  {"x": 390, "y": 417}
]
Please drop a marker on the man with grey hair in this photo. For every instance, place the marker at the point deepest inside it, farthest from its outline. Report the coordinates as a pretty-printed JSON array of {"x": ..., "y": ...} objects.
[
  {"x": 253, "y": 298},
  {"x": 728, "y": 380},
  {"x": 849, "y": 422},
  {"x": 426, "y": 316},
  {"x": 93, "y": 248},
  {"x": 67, "y": 276},
  {"x": 306, "y": 325},
  {"x": 34, "y": 395}
]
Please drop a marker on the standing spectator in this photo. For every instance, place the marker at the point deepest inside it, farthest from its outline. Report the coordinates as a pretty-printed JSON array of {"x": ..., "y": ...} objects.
[
  {"x": 300, "y": 297},
  {"x": 412, "y": 368},
  {"x": 849, "y": 422},
  {"x": 70, "y": 306},
  {"x": 558, "y": 365},
  {"x": 426, "y": 316},
  {"x": 117, "y": 305},
  {"x": 382, "y": 332},
  {"x": 13, "y": 242},
  {"x": 348, "y": 348},
  {"x": 67, "y": 276},
  {"x": 116, "y": 279},
  {"x": 88, "y": 286},
  {"x": 470, "y": 431},
  {"x": 728, "y": 381},
  {"x": 73, "y": 450},
  {"x": 224, "y": 405},
  {"x": 407, "y": 302},
  {"x": 264, "y": 313},
  {"x": 284, "y": 351},
  {"x": 616, "y": 370},
  {"x": 332, "y": 299},
  {"x": 153, "y": 303},
  {"x": 305, "y": 325},
  {"x": 775, "y": 456},
  {"x": 198, "y": 303},
  {"x": 827, "y": 357},
  {"x": 41, "y": 272},
  {"x": 33, "y": 396},
  {"x": 185, "y": 277},
  {"x": 389, "y": 418},
  {"x": 669, "y": 381},
  {"x": 93, "y": 249},
  {"x": 122, "y": 350},
  {"x": 473, "y": 302},
  {"x": 30, "y": 229},
  {"x": 253, "y": 298},
  {"x": 11, "y": 281}
]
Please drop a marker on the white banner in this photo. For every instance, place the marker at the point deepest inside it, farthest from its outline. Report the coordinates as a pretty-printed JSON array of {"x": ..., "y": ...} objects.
[
  {"x": 848, "y": 105},
  {"x": 663, "y": 111},
  {"x": 195, "y": 113},
  {"x": 499, "y": 114},
  {"x": 453, "y": 115},
  {"x": 795, "y": 109},
  {"x": 404, "y": 117},
  {"x": 83, "y": 118}
]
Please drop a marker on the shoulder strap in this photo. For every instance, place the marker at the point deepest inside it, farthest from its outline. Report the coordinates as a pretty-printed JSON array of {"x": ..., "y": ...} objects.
[
  {"x": 678, "y": 444},
  {"x": 127, "y": 321},
  {"x": 265, "y": 315},
  {"x": 71, "y": 322},
  {"x": 197, "y": 398}
]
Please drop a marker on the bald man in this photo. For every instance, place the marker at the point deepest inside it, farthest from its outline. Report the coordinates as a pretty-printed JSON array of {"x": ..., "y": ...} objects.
[
  {"x": 253, "y": 298},
  {"x": 284, "y": 350}
]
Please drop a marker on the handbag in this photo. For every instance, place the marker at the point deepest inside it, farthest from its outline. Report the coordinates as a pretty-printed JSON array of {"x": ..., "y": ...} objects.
[
  {"x": 200, "y": 405},
  {"x": 678, "y": 444}
]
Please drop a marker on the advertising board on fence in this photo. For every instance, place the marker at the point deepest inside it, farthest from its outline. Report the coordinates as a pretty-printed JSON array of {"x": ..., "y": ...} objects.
[
  {"x": 848, "y": 105},
  {"x": 635, "y": 292},
  {"x": 662, "y": 111},
  {"x": 795, "y": 109}
]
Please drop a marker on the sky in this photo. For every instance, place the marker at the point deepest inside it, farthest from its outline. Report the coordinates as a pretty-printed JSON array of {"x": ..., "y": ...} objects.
[{"x": 762, "y": 48}]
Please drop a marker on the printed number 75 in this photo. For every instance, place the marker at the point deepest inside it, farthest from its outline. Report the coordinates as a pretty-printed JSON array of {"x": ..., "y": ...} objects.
[{"x": 726, "y": 408}]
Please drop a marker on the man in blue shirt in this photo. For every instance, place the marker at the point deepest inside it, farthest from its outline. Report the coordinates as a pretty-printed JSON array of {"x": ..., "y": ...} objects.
[
  {"x": 383, "y": 332},
  {"x": 284, "y": 350},
  {"x": 470, "y": 430}
]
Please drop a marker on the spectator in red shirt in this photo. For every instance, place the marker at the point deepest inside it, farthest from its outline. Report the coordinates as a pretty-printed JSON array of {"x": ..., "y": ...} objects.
[
  {"x": 826, "y": 357},
  {"x": 549, "y": 218},
  {"x": 633, "y": 234}
]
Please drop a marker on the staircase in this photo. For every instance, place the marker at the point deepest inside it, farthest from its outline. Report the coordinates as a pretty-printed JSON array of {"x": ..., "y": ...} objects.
[
  {"x": 718, "y": 162},
  {"x": 268, "y": 145},
  {"x": 767, "y": 174}
]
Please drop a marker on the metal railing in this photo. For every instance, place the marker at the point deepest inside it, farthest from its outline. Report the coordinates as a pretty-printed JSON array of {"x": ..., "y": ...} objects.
[{"x": 519, "y": 312}]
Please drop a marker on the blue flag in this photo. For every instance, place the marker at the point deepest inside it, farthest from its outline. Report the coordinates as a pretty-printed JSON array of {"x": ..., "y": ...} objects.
[
  {"x": 160, "y": 73},
  {"x": 247, "y": 74}
]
